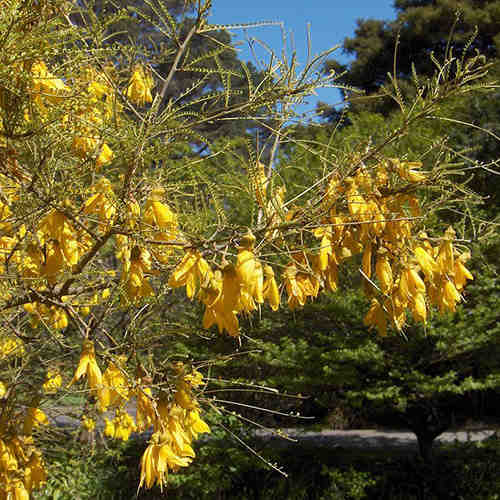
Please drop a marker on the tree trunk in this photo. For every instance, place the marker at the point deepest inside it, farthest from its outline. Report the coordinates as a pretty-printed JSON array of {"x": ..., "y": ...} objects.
[
  {"x": 425, "y": 442},
  {"x": 428, "y": 422}
]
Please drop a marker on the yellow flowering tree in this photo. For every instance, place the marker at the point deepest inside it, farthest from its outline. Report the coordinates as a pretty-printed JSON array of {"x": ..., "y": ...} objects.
[{"x": 106, "y": 209}]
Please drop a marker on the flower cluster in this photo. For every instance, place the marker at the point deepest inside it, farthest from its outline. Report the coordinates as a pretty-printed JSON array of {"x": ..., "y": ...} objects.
[
  {"x": 174, "y": 418},
  {"x": 176, "y": 423},
  {"x": 21, "y": 464}
]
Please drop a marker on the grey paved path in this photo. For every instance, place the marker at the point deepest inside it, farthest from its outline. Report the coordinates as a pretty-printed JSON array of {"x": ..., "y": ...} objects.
[
  {"x": 353, "y": 439},
  {"x": 366, "y": 438}
]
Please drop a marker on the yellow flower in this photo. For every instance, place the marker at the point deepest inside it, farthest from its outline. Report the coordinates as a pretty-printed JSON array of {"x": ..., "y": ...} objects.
[
  {"x": 419, "y": 309},
  {"x": 355, "y": 202},
  {"x": 375, "y": 318},
  {"x": 194, "y": 379},
  {"x": 260, "y": 182},
  {"x": 367, "y": 260},
  {"x": 54, "y": 260},
  {"x": 124, "y": 426},
  {"x": 183, "y": 397},
  {"x": 331, "y": 275},
  {"x": 11, "y": 346},
  {"x": 88, "y": 423},
  {"x": 445, "y": 260},
  {"x": 163, "y": 454},
  {"x": 52, "y": 382},
  {"x": 326, "y": 249},
  {"x": 34, "y": 418},
  {"x": 109, "y": 428},
  {"x": 296, "y": 294},
  {"x": 195, "y": 425},
  {"x": 32, "y": 263},
  {"x": 120, "y": 427},
  {"x": 45, "y": 83},
  {"x": 56, "y": 231},
  {"x": 384, "y": 271},
  {"x": 101, "y": 203},
  {"x": 115, "y": 386},
  {"x": 137, "y": 286},
  {"x": 8, "y": 461},
  {"x": 396, "y": 306},
  {"x": 19, "y": 490},
  {"x": 250, "y": 275},
  {"x": 223, "y": 311},
  {"x": 450, "y": 297},
  {"x": 426, "y": 262},
  {"x": 88, "y": 366},
  {"x": 417, "y": 285},
  {"x": 84, "y": 144},
  {"x": 271, "y": 291},
  {"x": 191, "y": 271},
  {"x": 460, "y": 273},
  {"x": 105, "y": 156},
  {"x": 407, "y": 170},
  {"x": 276, "y": 211},
  {"x": 160, "y": 216},
  {"x": 139, "y": 88},
  {"x": 145, "y": 414},
  {"x": 34, "y": 473}
]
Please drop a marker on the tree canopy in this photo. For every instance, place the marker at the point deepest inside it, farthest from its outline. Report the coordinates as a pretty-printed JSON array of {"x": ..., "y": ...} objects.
[{"x": 420, "y": 29}]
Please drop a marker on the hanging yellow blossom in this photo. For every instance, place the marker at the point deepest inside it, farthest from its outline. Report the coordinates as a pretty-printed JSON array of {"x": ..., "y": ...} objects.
[
  {"x": 145, "y": 408},
  {"x": 105, "y": 156},
  {"x": 121, "y": 427},
  {"x": 223, "y": 312},
  {"x": 88, "y": 366},
  {"x": 375, "y": 318},
  {"x": 271, "y": 291},
  {"x": 326, "y": 248},
  {"x": 11, "y": 346},
  {"x": 139, "y": 88},
  {"x": 34, "y": 417},
  {"x": 196, "y": 425},
  {"x": 384, "y": 271},
  {"x": 34, "y": 472},
  {"x": 460, "y": 273},
  {"x": 410, "y": 170},
  {"x": 137, "y": 285},
  {"x": 32, "y": 262},
  {"x": 88, "y": 423},
  {"x": 367, "y": 261},
  {"x": 419, "y": 308},
  {"x": 194, "y": 379},
  {"x": 158, "y": 214},
  {"x": 101, "y": 203},
  {"x": 85, "y": 143},
  {"x": 445, "y": 258},
  {"x": 52, "y": 382},
  {"x": 191, "y": 271},
  {"x": 260, "y": 182},
  {"x": 251, "y": 277},
  {"x": 296, "y": 294},
  {"x": 46, "y": 85},
  {"x": 426, "y": 262},
  {"x": 450, "y": 297},
  {"x": 56, "y": 231},
  {"x": 115, "y": 389}
]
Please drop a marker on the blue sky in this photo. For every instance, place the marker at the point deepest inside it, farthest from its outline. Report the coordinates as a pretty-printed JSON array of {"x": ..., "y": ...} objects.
[{"x": 330, "y": 22}]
